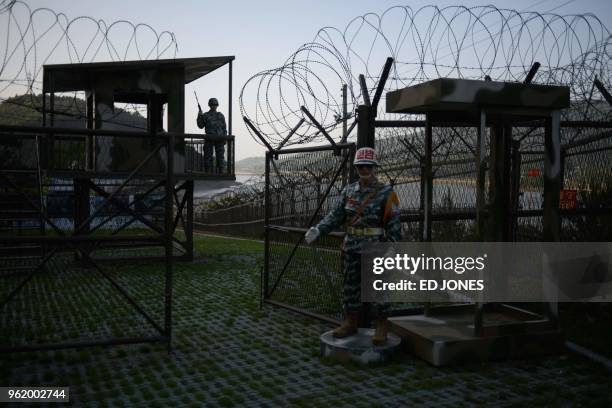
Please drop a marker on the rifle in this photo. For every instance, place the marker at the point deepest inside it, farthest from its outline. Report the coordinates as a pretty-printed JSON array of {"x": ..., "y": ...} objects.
[{"x": 198, "y": 102}]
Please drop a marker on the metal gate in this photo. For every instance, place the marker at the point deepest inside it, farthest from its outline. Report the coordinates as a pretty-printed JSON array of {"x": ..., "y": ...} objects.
[{"x": 302, "y": 185}]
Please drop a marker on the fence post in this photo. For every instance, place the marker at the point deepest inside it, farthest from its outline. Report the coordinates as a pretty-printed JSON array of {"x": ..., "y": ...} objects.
[
  {"x": 516, "y": 190},
  {"x": 266, "y": 268},
  {"x": 427, "y": 187},
  {"x": 552, "y": 177},
  {"x": 168, "y": 221},
  {"x": 189, "y": 220},
  {"x": 552, "y": 186},
  {"x": 480, "y": 177}
]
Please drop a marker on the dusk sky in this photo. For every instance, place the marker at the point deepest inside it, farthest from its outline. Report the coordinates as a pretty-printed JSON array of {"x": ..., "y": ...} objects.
[{"x": 262, "y": 34}]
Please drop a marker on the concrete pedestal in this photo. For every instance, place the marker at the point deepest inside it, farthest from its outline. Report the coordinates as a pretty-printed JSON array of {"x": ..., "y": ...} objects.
[
  {"x": 446, "y": 336},
  {"x": 359, "y": 347}
]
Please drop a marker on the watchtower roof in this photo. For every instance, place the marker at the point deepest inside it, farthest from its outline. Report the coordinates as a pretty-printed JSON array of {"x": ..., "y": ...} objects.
[{"x": 76, "y": 77}]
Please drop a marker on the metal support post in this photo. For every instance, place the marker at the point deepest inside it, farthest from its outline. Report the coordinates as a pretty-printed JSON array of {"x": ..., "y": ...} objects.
[
  {"x": 344, "y": 113},
  {"x": 229, "y": 100},
  {"x": 428, "y": 184},
  {"x": 90, "y": 141},
  {"x": 365, "y": 127},
  {"x": 81, "y": 210},
  {"x": 499, "y": 185},
  {"x": 552, "y": 177},
  {"x": 168, "y": 240},
  {"x": 480, "y": 204},
  {"x": 480, "y": 177},
  {"x": 516, "y": 187},
  {"x": 189, "y": 221},
  {"x": 267, "y": 204},
  {"x": 552, "y": 186}
]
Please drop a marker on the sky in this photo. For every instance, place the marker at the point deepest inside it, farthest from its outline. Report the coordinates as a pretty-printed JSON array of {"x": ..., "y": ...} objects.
[{"x": 262, "y": 34}]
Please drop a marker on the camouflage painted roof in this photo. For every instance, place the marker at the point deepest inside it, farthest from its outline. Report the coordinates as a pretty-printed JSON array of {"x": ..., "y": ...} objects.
[{"x": 449, "y": 94}]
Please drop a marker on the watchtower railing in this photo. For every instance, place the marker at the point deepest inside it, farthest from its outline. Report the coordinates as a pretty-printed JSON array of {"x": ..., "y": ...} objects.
[{"x": 83, "y": 150}]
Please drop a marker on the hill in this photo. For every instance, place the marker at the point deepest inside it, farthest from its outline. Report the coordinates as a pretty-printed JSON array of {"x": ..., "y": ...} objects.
[
  {"x": 26, "y": 110},
  {"x": 253, "y": 165}
]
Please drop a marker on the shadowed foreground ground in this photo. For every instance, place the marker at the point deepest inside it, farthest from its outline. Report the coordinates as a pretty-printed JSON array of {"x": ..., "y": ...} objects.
[{"x": 229, "y": 352}]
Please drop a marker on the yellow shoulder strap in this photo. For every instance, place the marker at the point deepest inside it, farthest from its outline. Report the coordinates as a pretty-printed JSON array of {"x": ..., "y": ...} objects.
[{"x": 392, "y": 199}]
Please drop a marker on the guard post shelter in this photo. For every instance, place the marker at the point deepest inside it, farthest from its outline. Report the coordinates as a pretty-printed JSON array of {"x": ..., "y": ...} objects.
[
  {"x": 158, "y": 86},
  {"x": 473, "y": 332}
]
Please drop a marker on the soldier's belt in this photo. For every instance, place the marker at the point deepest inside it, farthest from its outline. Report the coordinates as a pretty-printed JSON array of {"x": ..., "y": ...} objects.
[{"x": 364, "y": 231}]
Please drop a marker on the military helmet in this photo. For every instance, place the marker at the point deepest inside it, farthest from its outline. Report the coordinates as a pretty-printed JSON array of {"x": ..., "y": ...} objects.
[
  {"x": 213, "y": 101},
  {"x": 365, "y": 155}
]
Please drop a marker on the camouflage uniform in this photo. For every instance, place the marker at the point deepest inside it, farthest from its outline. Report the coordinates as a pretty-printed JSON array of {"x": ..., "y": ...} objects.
[
  {"x": 214, "y": 124},
  {"x": 380, "y": 210}
]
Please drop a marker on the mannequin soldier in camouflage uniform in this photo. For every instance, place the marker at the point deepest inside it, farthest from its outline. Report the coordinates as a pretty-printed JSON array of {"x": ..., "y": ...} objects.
[
  {"x": 371, "y": 211},
  {"x": 213, "y": 123}
]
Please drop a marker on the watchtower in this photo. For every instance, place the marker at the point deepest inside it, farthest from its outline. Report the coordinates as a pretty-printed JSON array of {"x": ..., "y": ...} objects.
[
  {"x": 156, "y": 85},
  {"x": 98, "y": 151},
  {"x": 98, "y": 182}
]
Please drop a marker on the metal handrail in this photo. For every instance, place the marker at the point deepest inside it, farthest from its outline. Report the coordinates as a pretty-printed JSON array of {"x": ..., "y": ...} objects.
[{"x": 18, "y": 131}]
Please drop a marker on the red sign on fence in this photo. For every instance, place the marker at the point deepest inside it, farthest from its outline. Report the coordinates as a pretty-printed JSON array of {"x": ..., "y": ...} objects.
[
  {"x": 533, "y": 172},
  {"x": 567, "y": 199}
]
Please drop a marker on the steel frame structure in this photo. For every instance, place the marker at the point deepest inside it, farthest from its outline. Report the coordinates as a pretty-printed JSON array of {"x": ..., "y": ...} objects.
[
  {"x": 83, "y": 239},
  {"x": 105, "y": 170}
]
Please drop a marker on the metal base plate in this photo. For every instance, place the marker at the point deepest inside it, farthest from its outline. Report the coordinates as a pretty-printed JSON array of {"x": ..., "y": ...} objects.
[{"x": 359, "y": 347}]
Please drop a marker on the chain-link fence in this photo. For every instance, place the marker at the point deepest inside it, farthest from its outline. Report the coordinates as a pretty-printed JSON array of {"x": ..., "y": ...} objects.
[
  {"x": 240, "y": 220},
  {"x": 310, "y": 278},
  {"x": 302, "y": 186}
]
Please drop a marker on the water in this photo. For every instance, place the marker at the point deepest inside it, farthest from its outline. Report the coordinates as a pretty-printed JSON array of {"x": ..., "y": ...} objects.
[{"x": 209, "y": 188}]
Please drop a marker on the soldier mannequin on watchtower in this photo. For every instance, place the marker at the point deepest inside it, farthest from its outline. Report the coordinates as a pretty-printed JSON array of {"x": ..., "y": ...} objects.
[
  {"x": 213, "y": 123},
  {"x": 371, "y": 211}
]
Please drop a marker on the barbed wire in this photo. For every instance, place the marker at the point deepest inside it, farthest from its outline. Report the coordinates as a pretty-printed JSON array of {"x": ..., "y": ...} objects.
[
  {"x": 42, "y": 36},
  {"x": 428, "y": 43}
]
